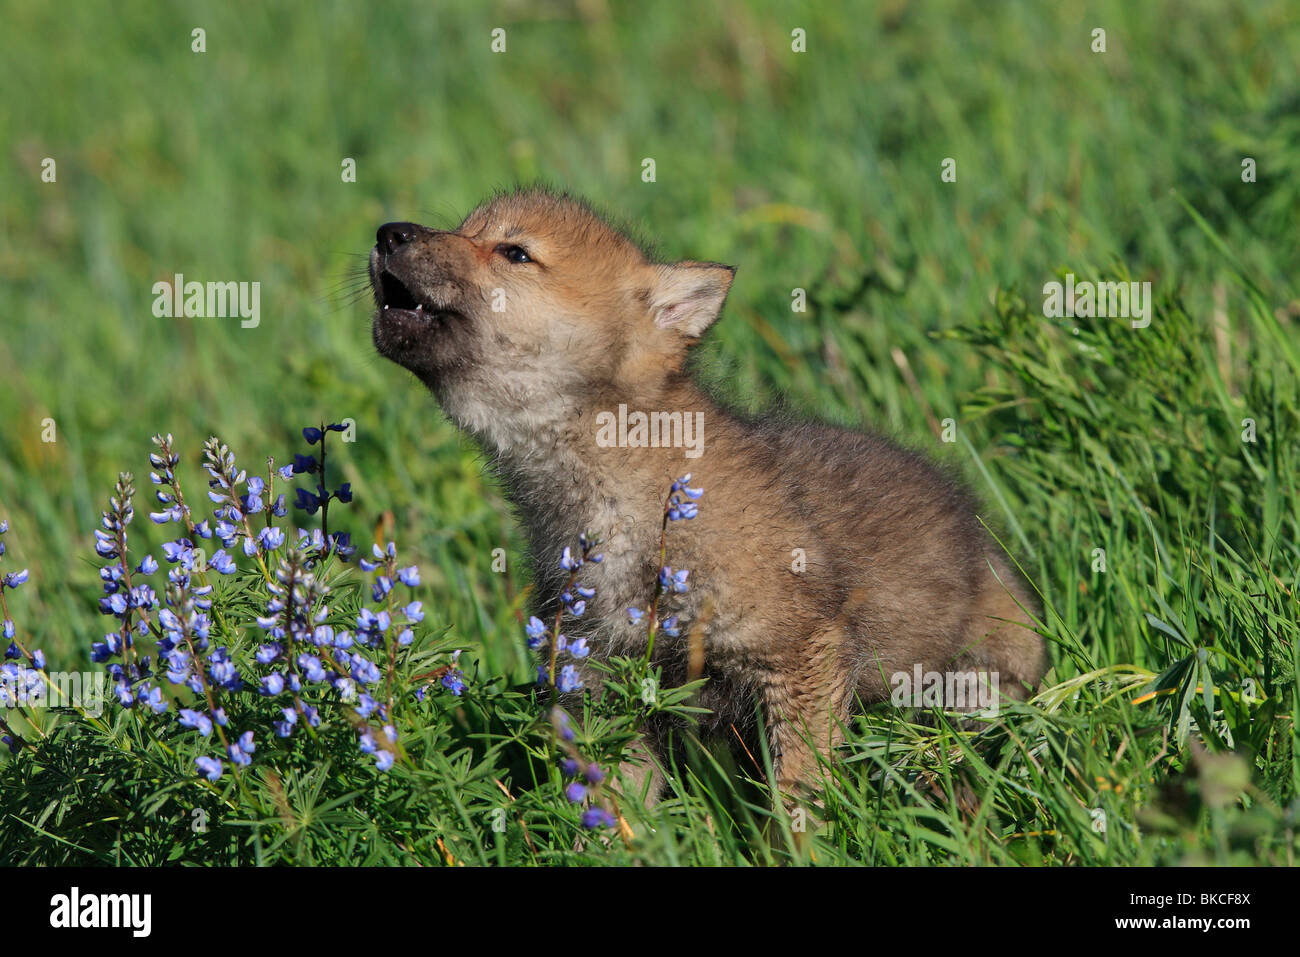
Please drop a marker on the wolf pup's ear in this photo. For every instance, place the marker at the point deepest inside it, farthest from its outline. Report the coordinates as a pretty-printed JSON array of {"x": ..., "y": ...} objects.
[{"x": 688, "y": 296}]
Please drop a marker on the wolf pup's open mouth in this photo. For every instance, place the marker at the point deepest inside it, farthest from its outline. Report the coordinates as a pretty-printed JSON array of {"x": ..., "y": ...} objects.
[
  {"x": 393, "y": 294},
  {"x": 396, "y": 301}
]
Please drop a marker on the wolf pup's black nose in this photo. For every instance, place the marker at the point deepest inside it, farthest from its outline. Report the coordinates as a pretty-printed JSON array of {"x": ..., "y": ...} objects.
[{"x": 391, "y": 237}]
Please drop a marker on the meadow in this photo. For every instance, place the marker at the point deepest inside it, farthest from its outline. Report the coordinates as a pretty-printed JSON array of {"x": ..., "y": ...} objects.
[{"x": 1144, "y": 479}]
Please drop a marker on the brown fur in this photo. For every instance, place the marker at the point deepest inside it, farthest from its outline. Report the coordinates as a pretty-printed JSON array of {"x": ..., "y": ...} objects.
[{"x": 898, "y": 569}]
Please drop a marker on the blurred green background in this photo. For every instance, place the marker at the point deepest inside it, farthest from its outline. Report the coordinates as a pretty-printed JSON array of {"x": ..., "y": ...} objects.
[{"x": 818, "y": 170}]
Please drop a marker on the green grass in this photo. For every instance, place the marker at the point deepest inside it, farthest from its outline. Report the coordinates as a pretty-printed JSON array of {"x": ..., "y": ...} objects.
[{"x": 818, "y": 171}]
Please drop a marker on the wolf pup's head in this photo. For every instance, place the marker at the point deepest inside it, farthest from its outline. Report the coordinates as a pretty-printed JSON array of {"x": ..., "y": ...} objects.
[{"x": 531, "y": 309}]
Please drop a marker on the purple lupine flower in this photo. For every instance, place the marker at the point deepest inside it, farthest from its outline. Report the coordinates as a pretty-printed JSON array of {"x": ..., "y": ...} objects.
[
  {"x": 454, "y": 682},
  {"x": 595, "y": 817},
  {"x": 196, "y": 720},
  {"x": 568, "y": 680},
  {"x": 154, "y": 699},
  {"x": 272, "y": 684},
  {"x": 536, "y": 631},
  {"x": 285, "y": 728},
  {"x": 311, "y": 667},
  {"x": 14, "y": 579}
]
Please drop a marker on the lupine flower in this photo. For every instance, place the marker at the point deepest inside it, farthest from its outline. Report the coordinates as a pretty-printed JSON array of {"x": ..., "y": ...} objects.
[
  {"x": 454, "y": 682},
  {"x": 536, "y": 631},
  {"x": 568, "y": 680},
  {"x": 153, "y": 697},
  {"x": 561, "y": 720},
  {"x": 285, "y": 728},
  {"x": 677, "y": 509},
  {"x": 673, "y": 581},
  {"x": 365, "y": 671},
  {"x": 210, "y": 767},
  {"x": 272, "y": 684},
  {"x": 311, "y": 667},
  {"x": 594, "y": 817},
  {"x": 14, "y": 579},
  {"x": 193, "y": 719},
  {"x": 576, "y": 792}
]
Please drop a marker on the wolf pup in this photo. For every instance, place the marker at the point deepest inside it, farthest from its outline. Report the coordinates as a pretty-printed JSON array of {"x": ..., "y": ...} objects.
[{"x": 826, "y": 560}]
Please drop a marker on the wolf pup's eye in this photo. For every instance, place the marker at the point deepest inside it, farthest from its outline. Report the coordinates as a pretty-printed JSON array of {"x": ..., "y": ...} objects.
[{"x": 516, "y": 254}]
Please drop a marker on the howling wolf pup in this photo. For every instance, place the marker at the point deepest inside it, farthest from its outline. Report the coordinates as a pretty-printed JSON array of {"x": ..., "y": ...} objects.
[{"x": 826, "y": 560}]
